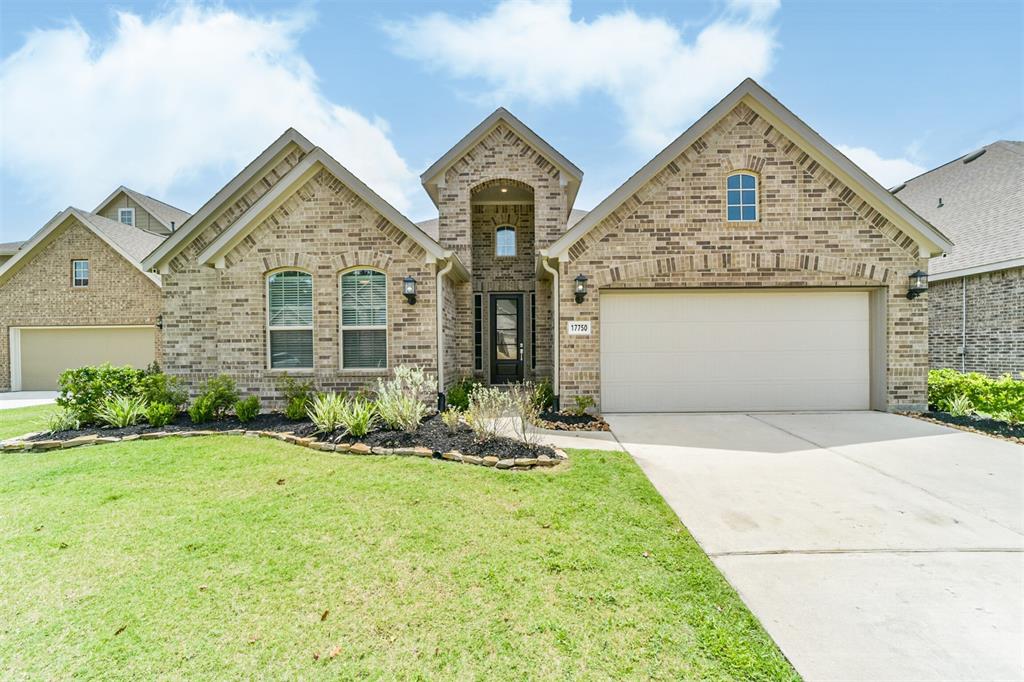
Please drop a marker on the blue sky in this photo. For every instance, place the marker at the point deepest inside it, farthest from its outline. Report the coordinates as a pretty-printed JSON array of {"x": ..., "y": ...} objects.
[{"x": 173, "y": 99}]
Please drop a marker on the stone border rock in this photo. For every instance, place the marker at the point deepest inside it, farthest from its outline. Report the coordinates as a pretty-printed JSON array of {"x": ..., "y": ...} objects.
[
  {"x": 962, "y": 427},
  {"x": 21, "y": 444}
]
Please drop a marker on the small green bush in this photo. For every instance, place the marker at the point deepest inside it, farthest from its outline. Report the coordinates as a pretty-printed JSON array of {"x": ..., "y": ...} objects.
[
  {"x": 121, "y": 411},
  {"x": 583, "y": 403},
  {"x": 1003, "y": 396},
  {"x": 161, "y": 414},
  {"x": 959, "y": 406},
  {"x": 543, "y": 396},
  {"x": 64, "y": 419},
  {"x": 219, "y": 394},
  {"x": 297, "y": 397},
  {"x": 358, "y": 416},
  {"x": 451, "y": 418},
  {"x": 201, "y": 410},
  {"x": 325, "y": 412},
  {"x": 85, "y": 389},
  {"x": 459, "y": 392},
  {"x": 246, "y": 410},
  {"x": 402, "y": 399},
  {"x": 157, "y": 387}
]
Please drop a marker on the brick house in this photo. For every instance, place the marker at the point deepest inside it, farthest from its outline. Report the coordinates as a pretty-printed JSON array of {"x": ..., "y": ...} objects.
[
  {"x": 76, "y": 292},
  {"x": 976, "y": 292},
  {"x": 748, "y": 266}
]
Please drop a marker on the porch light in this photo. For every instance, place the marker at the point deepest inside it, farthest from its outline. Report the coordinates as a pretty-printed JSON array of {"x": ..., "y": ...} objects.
[
  {"x": 504, "y": 189},
  {"x": 581, "y": 287},
  {"x": 918, "y": 284},
  {"x": 409, "y": 289}
]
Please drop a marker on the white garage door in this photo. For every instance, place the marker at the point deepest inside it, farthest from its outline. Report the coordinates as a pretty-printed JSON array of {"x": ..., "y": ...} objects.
[
  {"x": 46, "y": 352},
  {"x": 693, "y": 351}
]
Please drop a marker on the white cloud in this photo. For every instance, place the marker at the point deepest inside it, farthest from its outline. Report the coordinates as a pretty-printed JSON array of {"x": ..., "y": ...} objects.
[
  {"x": 170, "y": 99},
  {"x": 888, "y": 172},
  {"x": 536, "y": 51}
]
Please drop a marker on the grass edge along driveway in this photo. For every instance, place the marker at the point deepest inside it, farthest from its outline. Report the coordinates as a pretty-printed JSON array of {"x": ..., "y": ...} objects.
[{"x": 228, "y": 556}]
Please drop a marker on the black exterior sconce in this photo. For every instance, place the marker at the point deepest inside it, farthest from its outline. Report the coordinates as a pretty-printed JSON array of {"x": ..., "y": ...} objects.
[
  {"x": 409, "y": 289},
  {"x": 581, "y": 287},
  {"x": 918, "y": 284}
]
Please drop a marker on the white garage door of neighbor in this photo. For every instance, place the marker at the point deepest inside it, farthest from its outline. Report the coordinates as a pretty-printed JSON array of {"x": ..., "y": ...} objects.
[
  {"x": 45, "y": 353},
  {"x": 734, "y": 351}
]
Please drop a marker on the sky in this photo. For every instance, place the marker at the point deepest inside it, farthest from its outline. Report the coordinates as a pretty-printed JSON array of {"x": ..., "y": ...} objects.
[{"x": 173, "y": 99}]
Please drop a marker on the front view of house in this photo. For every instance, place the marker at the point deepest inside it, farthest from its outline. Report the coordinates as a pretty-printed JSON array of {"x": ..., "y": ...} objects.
[{"x": 748, "y": 266}]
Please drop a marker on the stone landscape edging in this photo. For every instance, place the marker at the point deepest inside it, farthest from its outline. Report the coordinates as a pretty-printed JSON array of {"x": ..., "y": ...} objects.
[{"x": 22, "y": 444}]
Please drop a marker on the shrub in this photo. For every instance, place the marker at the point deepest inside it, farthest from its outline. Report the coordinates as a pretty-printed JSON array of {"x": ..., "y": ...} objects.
[
  {"x": 544, "y": 396},
  {"x": 583, "y": 403},
  {"x": 401, "y": 399},
  {"x": 85, "y": 389},
  {"x": 357, "y": 416},
  {"x": 523, "y": 413},
  {"x": 297, "y": 396},
  {"x": 246, "y": 410},
  {"x": 487, "y": 405},
  {"x": 451, "y": 418},
  {"x": 64, "y": 419},
  {"x": 325, "y": 412},
  {"x": 157, "y": 387},
  {"x": 1003, "y": 396},
  {"x": 959, "y": 406},
  {"x": 161, "y": 414},
  {"x": 218, "y": 395},
  {"x": 459, "y": 392},
  {"x": 121, "y": 410},
  {"x": 201, "y": 410}
]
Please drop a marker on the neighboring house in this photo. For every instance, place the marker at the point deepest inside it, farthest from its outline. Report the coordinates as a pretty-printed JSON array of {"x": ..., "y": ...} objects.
[
  {"x": 76, "y": 293},
  {"x": 7, "y": 250},
  {"x": 976, "y": 292},
  {"x": 748, "y": 266}
]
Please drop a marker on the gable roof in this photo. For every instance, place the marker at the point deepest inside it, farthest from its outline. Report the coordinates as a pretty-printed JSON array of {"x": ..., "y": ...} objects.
[
  {"x": 982, "y": 195},
  {"x": 164, "y": 213},
  {"x": 10, "y": 248},
  {"x": 188, "y": 229},
  {"x": 129, "y": 242},
  {"x": 311, "y": 164},
  {"x": 432, "y": 177},
  {"x": 757, "y": 98}
]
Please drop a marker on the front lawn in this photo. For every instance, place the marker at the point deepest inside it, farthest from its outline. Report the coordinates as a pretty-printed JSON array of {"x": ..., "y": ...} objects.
[
  {"x": 23, "y": 420},
  {"x": 236, "y": 557}
]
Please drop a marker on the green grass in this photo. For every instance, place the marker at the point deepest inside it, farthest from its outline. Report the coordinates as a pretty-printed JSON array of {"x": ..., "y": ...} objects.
[
  {"x": 234, "y": 557},
  {"x": 22, "y": 420}
]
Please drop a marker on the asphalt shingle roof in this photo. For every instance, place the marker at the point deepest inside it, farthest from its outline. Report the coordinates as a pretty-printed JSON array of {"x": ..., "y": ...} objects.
[
  {"x": 135, "y": 242},
  {"x": 163, "y": 212},
  {"x": 982, "y": 206},
  {"x": 9, "y": 247}
]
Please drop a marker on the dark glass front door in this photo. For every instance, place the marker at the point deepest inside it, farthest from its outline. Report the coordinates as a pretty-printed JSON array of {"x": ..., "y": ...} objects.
[{"x": 506, "y": 338}]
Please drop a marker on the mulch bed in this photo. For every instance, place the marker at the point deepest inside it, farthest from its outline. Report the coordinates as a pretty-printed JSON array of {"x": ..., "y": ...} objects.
[
  {"x": 432, "y": 434},
  {"x": 565, "y": 421},
  {"x": 990, "y": 427}
]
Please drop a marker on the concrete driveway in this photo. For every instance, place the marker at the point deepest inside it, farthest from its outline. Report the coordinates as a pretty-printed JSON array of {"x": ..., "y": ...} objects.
[
  {"x": 871, "y": 546},
  {"x": 12, "y": 399}
]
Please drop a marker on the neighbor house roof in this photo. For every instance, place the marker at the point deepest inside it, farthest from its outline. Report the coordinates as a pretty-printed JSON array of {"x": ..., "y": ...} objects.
[
  {"x": 930, "y": 240},
  {"x": 433, "y": 177},
  {"x": 130, "y": 242},
  {"x": 9, "y": 248},
  {"x": 978, "y": 200},
  {"x": 167, "y": 215}
]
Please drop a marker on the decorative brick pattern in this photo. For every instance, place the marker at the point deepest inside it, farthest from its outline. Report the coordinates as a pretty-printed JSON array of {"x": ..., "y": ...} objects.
[
  {"x": 40, "y": 293},
  {"x": 995, "y": 323},
  {"x": 812, "y": 231}
]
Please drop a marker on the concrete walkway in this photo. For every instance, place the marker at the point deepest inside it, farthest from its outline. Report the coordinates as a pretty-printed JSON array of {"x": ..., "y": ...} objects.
[
  {"x": 12, "y": 399},
  {"x": 871, "y": 546}
]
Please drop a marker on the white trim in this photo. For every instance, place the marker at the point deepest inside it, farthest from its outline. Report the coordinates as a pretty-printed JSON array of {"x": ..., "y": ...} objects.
[
  {"x": 364, "y": 327},
  {"x": 515, "y": 241},
  {"x": 312, "y": 318},
  {"x": 74, "y": 274},
  {"x": 757, "y": 206},
  {"x": 131, "y": 210},
  {"x": 977, "y": 270},
  {"x": 14, "y": 351},
  {"x": 792, "y": 127}
]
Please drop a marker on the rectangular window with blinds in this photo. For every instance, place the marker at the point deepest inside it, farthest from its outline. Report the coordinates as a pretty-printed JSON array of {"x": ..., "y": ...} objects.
[
  {"x": 290, "y": 320},
  {"x": 364, "y": 319},
  {"x": 478, "y": 331}
]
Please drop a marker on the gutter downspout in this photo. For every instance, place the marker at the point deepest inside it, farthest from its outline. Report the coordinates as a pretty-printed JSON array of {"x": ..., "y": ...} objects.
[
  {"x": 963, "y": 325},
  {"x": 439, "y": 306},
  {"x": 555, "y": 328}
]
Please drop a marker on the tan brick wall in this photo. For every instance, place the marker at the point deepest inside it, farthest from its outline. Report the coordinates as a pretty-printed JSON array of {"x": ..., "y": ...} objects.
[
  {"x": 812, "y": 231},
  {"x": 40, "y": 293},
  {"x": 995, "y": 323},
  {"x": 215, "y": 320}
]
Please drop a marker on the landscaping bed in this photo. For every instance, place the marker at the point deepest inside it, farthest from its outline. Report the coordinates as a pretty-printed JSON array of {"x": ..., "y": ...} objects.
[
  {"x": 567, "y": 421},
  {"x": 973, "y": 422}
]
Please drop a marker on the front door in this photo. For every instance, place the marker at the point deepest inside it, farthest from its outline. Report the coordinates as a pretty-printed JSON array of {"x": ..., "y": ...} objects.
[{"x": 506, "y": 338}]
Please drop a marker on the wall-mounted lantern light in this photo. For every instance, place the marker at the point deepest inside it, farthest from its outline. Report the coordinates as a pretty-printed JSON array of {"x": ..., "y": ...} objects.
[
  {"x": 581, "y": 287},
  {"x": 918, "y": 284},
  {"x": 159, "y": 321},
  {"x": 409, "y": 289}
]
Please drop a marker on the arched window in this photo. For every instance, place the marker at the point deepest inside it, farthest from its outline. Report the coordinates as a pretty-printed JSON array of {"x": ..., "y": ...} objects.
[
  {"x": 364, "y": 319},
  {"x": 741, "y": 197},
  {"x": 505, "y": 241},
  {"x": 290, "y": 319}
]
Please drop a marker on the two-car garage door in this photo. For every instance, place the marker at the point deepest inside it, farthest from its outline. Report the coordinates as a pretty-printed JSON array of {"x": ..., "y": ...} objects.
[
  {"x": 735, "y": 350},
  {"x": 42, "y": 353}
]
